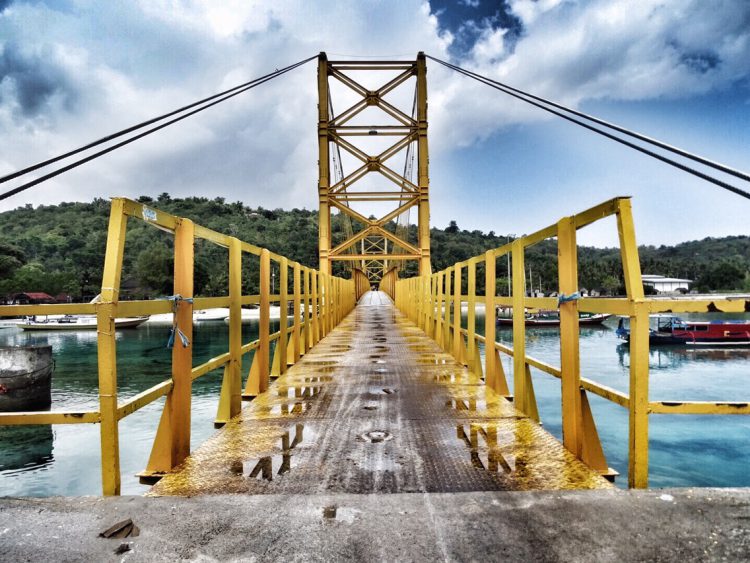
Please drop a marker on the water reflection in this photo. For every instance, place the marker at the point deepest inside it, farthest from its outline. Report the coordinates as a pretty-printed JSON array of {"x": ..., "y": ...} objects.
[
  {"x": 487, "y": 457},
  {"x": 676, "y": 357},
  {"x": 25, "y": 448},
  {"x": 263, "y": 467}
]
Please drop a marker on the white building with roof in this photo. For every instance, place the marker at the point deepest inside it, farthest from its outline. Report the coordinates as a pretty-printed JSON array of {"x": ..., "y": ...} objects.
[{"x": 666, "y": 285}]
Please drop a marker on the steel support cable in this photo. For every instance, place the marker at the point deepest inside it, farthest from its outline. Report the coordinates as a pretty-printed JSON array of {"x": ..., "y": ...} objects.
[
  {"x": 640, "y": 136},
  {"x": 525, "y": 98},
  {"x": 222, "y": 97}
]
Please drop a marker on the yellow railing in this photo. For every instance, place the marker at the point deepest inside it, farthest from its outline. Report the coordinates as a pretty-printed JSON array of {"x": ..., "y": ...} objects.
[
  {"x": 319, "y": 301},
  {"x": 428, "y": 301}
]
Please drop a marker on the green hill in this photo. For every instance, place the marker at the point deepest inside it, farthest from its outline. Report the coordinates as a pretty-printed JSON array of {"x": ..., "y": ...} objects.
[{"x": 60, "y": 248}]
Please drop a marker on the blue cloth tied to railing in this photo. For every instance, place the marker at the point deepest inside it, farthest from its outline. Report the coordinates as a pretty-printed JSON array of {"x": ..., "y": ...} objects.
[{"x": 562, "y": 298}]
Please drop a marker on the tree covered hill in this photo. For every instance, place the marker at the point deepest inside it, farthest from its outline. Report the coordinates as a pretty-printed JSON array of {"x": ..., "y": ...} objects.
[{"x": 60, "y": 248}]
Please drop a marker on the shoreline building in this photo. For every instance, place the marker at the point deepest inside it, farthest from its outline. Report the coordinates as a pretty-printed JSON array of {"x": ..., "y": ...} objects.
[{"x": 662, "y": 284}]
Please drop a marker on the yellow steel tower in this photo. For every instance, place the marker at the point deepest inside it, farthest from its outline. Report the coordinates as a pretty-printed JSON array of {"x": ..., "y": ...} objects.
[{"x": 371, "y": 243}]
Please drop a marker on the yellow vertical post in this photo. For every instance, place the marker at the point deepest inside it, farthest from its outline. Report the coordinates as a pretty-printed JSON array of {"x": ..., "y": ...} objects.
[
  {"x": 489, "y": 321},
  {"x": 567, "y": 266},
  {"x": 337, "y": 301},
  {"x": 106, "y": 312},
  {"x": 631, "y": 264},
  {"x": 427, "y": 296},
  {"x": 323, "y": 288},
  {"x": 457, "y": 337},
  {"x": 314, "y": 278},
  {"x": 282, "y": 342},
  {"x": 324, "y": 173},
  {"x": 439, "y": 309},
  {"x": 638, "y": 405},
  {"x": 257, "y": 381},
  {"x": 639, "y": 349},
  {"x": 519, "y": 328},
  {"x": 230, "y": 402},
  {"x": 182, "y": 356},
  {"x": 418, "y": 304},
  {"x": 296, "y": 348},
  {"x": 423, "y": 177},
  {"x": 471, "y": 323},
  {"x": 332, "y": 308},
  {"x": 307, "y": 332},
  {"x": 447, "y": 342},
  {"x": 434, "y": 307},
  {"x": 337, "y": 296}
]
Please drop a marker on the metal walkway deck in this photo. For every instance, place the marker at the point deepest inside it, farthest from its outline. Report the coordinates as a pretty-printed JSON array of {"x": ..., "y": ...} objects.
[{"x": 377, "y": 407}]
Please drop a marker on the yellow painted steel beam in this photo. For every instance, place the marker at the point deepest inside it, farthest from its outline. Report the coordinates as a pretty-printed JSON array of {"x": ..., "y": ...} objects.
[
  {"x": 370, "y": 196},
  {"x": 49, "y": 417},
  {"x": 149, "y": 215},
  {"x": 606, "y": 392},
  {"x": 143, "y": 398},
  {"x": 182, "y": 356},
  {"x": 371, "y": 65},
  {"x": 567, "y": 266},
  {"x": 218, "y": 361},
  {"x": 423, "y": 224},
  {"x": 347, "y": 81},
  {"x": 739, "y": 305},
  {"x": 519, "y": 328},
  {"x": 324, "y": 173},
  {"x": 106, "y": 311},
  {"x": 375, "y": 257},
  {"x": 699, "y": 407},
  {"x": 230, "y": 400},
  {"x": 52, "y": 309},
  {"x": 631, "y": 263}
]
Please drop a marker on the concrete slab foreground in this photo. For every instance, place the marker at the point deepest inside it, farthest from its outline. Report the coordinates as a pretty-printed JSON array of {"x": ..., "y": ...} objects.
[{"x": 586, "y": 526}]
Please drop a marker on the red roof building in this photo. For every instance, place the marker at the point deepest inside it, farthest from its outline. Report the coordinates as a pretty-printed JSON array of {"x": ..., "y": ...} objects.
[{"x": 32, "y": 298}]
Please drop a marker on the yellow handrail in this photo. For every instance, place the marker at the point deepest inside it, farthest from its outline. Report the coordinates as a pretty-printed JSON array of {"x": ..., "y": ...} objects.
[
  {"x": 428, "y": 301},
  {"x": 323, "y": 300}
]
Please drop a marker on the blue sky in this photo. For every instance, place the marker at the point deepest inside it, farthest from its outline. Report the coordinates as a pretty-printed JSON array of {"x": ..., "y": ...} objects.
[{"x": 679, "y": 70}]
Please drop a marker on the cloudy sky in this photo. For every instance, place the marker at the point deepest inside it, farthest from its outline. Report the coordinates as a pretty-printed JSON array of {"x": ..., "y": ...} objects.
[{"x": 679, "y": 70}]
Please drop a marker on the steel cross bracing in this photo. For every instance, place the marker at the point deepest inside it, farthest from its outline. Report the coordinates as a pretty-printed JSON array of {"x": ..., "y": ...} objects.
[{"x": 374, "y": 247}]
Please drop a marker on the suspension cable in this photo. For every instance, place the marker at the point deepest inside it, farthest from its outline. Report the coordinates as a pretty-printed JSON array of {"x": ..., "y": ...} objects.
[
  {"x": 215, "y": 99},
  {"x": 529, "y": 98}
]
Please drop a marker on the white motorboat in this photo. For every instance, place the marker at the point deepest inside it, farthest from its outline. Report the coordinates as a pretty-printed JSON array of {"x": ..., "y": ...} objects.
[{"x": 72, "y": 322}]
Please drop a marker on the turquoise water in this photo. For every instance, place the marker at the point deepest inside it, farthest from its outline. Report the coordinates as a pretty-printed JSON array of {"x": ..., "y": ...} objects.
[
  {"x": 65, "y": 459},
  {"x": 685, "y": 450}
]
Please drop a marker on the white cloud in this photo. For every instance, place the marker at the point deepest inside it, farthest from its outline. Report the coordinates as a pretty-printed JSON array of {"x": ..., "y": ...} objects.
[
  {"x": 603, "y": 49},
  {"x": 125, "y": 62}
]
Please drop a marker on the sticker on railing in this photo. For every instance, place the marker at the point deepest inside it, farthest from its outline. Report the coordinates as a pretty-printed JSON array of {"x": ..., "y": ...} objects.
[{"x": 149, "y": 214}]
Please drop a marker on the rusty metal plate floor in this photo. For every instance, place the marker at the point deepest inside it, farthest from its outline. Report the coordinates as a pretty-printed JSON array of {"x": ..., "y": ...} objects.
[{"x": 378, "y": 407}]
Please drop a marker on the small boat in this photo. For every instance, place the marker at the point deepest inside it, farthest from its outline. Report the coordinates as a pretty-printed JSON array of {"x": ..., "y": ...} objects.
[
  {"x": 72, "y": 322},
  {"x": 25, "y": 377},
  {"x": 253, "y": 314},
  {"x": 552, "y": 318},
  {"x": 199, "y": 316},
  {"x": 205, "y": 315},
  {"x": 673, "y": 331}
]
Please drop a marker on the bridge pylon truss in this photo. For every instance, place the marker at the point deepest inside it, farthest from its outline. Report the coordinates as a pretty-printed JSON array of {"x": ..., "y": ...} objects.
[{"x": 373, "y": 133}]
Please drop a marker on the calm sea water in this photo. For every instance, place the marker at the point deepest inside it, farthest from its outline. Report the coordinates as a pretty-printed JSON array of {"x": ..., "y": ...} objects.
[{"x": 685, "y": 450}]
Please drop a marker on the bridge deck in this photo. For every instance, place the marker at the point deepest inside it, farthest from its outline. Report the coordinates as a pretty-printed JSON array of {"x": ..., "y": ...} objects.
[{"x": 377, "y": 407}]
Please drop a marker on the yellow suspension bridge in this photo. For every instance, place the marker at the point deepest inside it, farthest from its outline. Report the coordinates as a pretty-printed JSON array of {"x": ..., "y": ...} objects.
[{"x": 374, "y": 383}]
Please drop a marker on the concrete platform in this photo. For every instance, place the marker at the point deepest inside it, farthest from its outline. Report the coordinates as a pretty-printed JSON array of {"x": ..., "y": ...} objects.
[
  {"x": 378, "y": 407},
  {"x": 586, "y": 526}
]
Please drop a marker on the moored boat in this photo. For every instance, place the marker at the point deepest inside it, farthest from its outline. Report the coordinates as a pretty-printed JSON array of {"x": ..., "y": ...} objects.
[
  {"x": 71, "y": 322},
  {"x": 552, "y": 318},
  {"x": 673, "y": 331}
]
